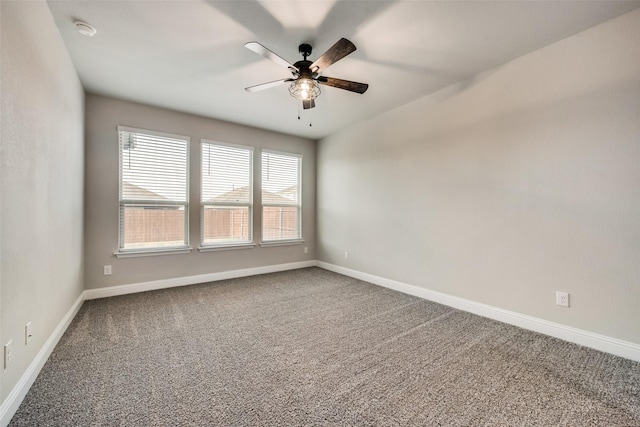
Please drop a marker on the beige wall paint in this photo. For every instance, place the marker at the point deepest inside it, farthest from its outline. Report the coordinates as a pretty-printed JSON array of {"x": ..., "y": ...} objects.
[
  {"x": 101, "y": 192},
  {"x": 517, "y": 183},
  {"x": 42, "y": 161}
]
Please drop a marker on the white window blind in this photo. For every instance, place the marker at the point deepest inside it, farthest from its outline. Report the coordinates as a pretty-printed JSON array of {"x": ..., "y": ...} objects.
[
  {"x": 281, "y": 196},
  {"x": 227, "y": 194},
  {"x": 153, "y": 190}
]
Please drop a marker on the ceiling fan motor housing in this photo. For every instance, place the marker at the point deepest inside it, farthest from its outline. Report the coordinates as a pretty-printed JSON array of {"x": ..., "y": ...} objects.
[{"x": 304, "y": 69}]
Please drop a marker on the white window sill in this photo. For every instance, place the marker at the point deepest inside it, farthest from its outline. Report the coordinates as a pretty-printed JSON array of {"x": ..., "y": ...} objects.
[
  {"x": 229, "y": 247},
  {"x": 152, "y": 252},
  {"x": 281, "y": 243}
]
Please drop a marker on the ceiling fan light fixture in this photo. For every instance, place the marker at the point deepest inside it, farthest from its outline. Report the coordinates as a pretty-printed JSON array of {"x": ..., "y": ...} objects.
[{"x": 304, "y": 89}]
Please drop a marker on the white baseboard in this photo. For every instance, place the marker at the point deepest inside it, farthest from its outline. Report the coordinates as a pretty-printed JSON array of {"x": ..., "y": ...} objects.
[
  {"x": 191, "y": 280},
  {"x": 599, "y": 342},
  {"x": 15, "y": 398},
  {"x": 589, "y": 339}
]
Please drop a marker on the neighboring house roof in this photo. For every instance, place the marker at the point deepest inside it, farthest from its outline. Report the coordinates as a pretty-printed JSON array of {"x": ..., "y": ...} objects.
[
  {"x": 290, "y": 192},
  {"x": 242, "y": 194},
  {"x": 237, "y": 195},
  {"x": 277, "y": 198},
  {"x": 132, "y": 191}
]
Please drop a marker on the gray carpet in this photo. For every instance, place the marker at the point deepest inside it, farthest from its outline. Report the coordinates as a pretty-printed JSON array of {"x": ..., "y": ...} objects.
[{"x": 311, "y": 347}]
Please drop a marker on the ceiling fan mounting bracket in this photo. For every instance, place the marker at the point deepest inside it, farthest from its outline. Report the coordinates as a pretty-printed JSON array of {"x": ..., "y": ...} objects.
[{"x": 305, "y": 50}]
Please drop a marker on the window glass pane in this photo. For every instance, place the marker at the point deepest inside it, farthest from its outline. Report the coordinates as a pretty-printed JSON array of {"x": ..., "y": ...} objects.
[
  {"x": 226, "y": 174},
  {"x": 280, "y": 196},
  {"x": 227, "y": 193},
  {"x": 152, "y": 226},
  {"x": 280, "y": 223},
  {"x": 280, "y": 179},
  {"x": 153, "y": 167},
  {"x": 153, "y": 190},
  {"x": 225, "y": 224}
]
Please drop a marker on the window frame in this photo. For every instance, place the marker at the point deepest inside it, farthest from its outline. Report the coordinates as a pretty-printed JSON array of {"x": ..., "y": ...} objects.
[
  {"x": 235, "y": 244},
  {"x": 122, "y": 202},
  {"x": 298, "y": 206}
]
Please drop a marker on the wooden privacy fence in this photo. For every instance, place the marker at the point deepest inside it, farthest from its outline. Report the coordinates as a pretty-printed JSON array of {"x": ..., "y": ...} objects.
[
  {"x": 225, "y": 224},
  {"x": 165, "y": 226},
  {"x": 160, "y": 225}
]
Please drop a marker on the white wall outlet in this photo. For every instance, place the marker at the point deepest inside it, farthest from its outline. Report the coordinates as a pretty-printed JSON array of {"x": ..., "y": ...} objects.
[
  {"x": 107, "y": 270},
  {"x": 562, "y": 299},
  {"x": 306, "y": 250},
  {"x": 8, "y": 354},
  {"x": 346, "y": 254},
  {"x": 27, "y": 333}
]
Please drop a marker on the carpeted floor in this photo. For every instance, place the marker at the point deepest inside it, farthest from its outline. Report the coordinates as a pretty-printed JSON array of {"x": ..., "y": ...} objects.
[{"x": 311, "y": 347}]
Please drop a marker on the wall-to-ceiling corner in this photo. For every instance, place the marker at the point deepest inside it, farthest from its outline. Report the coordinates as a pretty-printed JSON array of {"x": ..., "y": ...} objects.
[
  {"x": 42, "y": 163},
  {"x": 506, "y": 188}
]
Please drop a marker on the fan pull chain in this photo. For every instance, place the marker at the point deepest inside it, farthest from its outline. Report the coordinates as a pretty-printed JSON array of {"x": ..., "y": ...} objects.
[{"x": 298, "y": 110}]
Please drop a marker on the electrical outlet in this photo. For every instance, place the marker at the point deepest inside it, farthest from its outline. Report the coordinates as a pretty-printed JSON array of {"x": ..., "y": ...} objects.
[
  {"x": 107, "y": 270},
  {"x": 346, "y": 254},
  {"x": 562, "y": 299},
  {"x": 27, "y": 333},
  {"x": 306, "y": 250},
  {"x": 8, "y": 354}
]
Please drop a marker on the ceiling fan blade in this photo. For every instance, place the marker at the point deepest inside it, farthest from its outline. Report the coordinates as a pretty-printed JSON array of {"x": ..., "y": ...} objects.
[
  {"x": 342, "y": 48},
  {"x": 268, "y": 85},
  {"x": 261, "y": 50},
  {"x": 344, "y": 84},
  {"x": 308, "y": 104}
]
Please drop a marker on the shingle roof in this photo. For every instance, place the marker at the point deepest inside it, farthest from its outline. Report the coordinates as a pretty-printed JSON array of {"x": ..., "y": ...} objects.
[
  {"x": 132, "y": 191},
  {"x": 241, "y": 194}
]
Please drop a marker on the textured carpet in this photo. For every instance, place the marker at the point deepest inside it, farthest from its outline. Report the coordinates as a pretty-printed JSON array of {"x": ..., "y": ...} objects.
[{"x": 311, "y": 347}]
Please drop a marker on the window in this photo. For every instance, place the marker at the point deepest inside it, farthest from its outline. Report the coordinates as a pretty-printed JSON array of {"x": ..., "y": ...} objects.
[
  {"x": 227, "y": 194},
  {"x": 154, "y": 207},
  {"x": 281, "y": 174}
]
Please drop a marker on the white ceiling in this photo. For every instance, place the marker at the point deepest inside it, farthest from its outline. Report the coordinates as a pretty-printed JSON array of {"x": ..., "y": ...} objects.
[{"x": 190, "y": 56}]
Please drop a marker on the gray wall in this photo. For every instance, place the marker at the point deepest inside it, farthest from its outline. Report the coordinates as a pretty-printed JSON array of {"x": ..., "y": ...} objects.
[
  {"x": 520, "y": 182},
  {"x": 103, "y": 115},
  {"x": 42, "y": 158}
]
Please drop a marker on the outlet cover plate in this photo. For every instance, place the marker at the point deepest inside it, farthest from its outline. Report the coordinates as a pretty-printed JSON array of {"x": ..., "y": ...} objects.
[
  {"x": 8, "y": 354},
  {"x": 27, "y": 333},
  {"x": 562, "y": 299}
]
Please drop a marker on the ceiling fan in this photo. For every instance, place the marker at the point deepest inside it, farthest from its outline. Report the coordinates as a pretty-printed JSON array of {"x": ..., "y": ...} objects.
[{"x": 306, "y": 80}]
